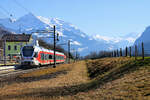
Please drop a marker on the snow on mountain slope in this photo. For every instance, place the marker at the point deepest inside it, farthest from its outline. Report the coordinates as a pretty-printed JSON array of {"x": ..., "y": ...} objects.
[
  {"x": 80, "y": 41},
  {"x": 145, "y": 38},
  {"x": 118, "y": 41}
]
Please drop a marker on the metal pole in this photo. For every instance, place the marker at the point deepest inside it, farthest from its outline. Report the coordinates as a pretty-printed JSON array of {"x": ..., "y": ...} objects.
[
  {"x": 54, "y": 48},
  {"x": 69, "y": 51},
  {"x": 77, "y": 55},
  {"x": 4, "y": 52}
]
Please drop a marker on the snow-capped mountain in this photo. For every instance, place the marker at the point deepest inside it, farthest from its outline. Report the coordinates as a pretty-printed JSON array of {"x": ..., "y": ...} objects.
[
  {"x": 79, "y": 40},
  {"x": 145, "y": 38},
  {"x": 118, "y": 41}
]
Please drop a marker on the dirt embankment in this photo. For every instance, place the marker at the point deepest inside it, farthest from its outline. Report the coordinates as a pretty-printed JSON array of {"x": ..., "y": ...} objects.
[
  {"x": 50, "y": 83},
  {"x": 102, "y": 79}
]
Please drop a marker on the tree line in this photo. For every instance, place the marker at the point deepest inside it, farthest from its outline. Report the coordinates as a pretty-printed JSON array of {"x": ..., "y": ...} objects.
[{"x": 97, "y": 55}]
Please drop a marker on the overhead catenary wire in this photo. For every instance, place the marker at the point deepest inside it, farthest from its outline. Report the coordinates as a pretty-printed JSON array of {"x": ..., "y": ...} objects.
[
  {"x": 9, "y": 15},
  {"x": 5, "y": 10},
  {"x": 19, "y": 4},
  {"x": 3, "y": 14}
]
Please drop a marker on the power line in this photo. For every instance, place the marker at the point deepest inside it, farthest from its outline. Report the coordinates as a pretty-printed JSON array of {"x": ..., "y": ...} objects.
[
  {"x": 3, "y": 14},
  {"x": 19, "y": 4},
  {"x": 7, "y": 13},
  {"x": 4, "y": 10}
]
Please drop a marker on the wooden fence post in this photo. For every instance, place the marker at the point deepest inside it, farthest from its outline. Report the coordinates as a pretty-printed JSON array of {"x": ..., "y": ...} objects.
[
  {"x": 126, "y": 52},
  {"x": 111, "y": 54},
  {"x": 121, "y": 52},
  {"x": 4, "y": 47},
  {"x": 135, "y": 52},
  {"x": 114, "y": 53},
  {"x": 130, "y": 52},
  {"x": 142, "y": 50},
  {"x": 117, "y": 53}
]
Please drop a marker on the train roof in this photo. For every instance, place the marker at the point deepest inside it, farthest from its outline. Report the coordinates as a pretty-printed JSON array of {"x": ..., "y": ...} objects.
[{"x": 38, "y": 48}]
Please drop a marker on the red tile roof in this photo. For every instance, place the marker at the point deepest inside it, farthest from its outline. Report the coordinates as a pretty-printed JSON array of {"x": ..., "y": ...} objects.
[{"x": 16, "y": 37}]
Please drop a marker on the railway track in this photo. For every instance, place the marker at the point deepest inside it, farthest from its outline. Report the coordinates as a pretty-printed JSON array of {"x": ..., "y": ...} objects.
[{"x": 14, "y": 72}]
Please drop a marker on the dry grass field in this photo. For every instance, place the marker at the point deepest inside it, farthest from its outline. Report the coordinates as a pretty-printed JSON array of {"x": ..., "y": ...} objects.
[{"x": 101, "y": 79}]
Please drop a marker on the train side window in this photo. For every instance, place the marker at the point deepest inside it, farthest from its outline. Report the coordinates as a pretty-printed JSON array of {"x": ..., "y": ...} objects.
[
  {"x": 46, "y": 56},
  {"x": 50, "y": 57},
  {"x": 42, "y": 56}
]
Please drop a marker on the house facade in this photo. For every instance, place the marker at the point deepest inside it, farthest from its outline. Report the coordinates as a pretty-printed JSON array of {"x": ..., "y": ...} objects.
[{"x": 12, "y": 43}]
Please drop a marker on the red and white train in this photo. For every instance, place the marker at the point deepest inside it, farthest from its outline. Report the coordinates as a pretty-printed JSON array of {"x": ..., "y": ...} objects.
[{"x": 36, "y": 55}]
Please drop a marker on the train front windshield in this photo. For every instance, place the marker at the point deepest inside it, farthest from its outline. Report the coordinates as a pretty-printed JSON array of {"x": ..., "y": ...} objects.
[{"x": 27, "y": 51}]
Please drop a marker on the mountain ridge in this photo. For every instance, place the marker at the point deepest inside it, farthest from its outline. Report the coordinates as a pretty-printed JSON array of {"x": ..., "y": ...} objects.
[{"x": 81, "y": 42}]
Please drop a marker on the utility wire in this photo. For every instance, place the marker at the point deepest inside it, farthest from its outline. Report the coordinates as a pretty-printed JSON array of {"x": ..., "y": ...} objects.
[
  {"x": 19, "y": 4},
  {"x": 7, "y": 13},
  {"x": 3, "y": 14},
  {"x": 10, "y": 15}
]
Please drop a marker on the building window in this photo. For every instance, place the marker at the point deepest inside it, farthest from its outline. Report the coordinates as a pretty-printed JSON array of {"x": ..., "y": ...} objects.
[
  {"x": 15, "y": 47},
  {"x": 9, "y": 47}
]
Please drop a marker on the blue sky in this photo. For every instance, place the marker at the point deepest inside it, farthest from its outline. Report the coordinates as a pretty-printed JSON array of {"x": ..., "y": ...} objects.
[{"x": 104, "y": 17}]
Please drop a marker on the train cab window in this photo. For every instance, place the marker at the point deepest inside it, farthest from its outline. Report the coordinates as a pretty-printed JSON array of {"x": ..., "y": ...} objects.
[
  {"x": 50, "y": 57},
  {"x": 35, "y": 54},
  {"x": 28, "y": 51}
]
